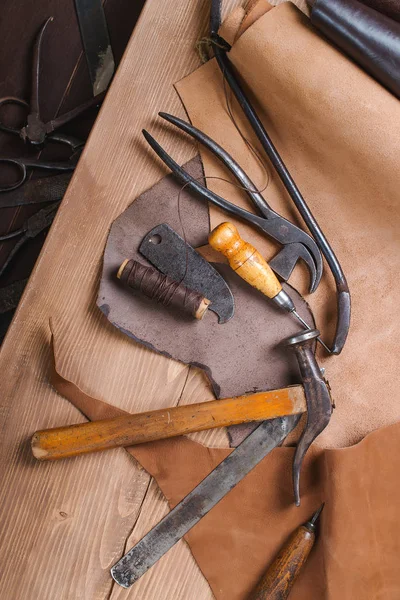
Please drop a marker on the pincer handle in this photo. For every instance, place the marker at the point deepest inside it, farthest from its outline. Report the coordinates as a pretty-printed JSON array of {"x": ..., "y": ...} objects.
[{"x": 244, "y": 259}]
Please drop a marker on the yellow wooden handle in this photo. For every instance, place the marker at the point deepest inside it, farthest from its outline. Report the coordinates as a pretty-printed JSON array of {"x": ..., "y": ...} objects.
[
  {"x": 244, "y": 259},
  {"x": 127, "y": 430}
]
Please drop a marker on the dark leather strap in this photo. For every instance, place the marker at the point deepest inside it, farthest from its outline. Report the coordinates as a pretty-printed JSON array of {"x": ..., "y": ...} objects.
[{"x": 370, "y": 38}]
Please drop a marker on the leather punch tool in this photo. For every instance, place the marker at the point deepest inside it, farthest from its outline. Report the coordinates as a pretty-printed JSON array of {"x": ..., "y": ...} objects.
[{"x": 297, "y": 244}]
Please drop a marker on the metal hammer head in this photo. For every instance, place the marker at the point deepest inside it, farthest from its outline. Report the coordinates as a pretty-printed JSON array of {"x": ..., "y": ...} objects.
[{"x": 318, "y": 398}]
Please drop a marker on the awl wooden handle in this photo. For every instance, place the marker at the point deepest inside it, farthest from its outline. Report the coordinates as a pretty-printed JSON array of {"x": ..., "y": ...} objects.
[
  {"x": 127, "y": 430},
  {"x": 281, "y": 575},
  {"x": 278, "y": 580},
  {"x": 245, "y": 259}
]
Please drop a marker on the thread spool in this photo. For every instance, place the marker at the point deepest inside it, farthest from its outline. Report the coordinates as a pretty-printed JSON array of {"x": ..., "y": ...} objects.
[{"x": 162, "y": 289}]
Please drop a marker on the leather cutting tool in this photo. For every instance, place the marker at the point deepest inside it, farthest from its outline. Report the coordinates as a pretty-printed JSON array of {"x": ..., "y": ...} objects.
[
  {"x": 35, "y": 131},
  {"x": 296, "y": 243},
  {"x": 173, "y": 256}
]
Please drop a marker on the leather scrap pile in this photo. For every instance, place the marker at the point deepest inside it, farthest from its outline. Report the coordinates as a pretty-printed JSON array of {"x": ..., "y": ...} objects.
[{"x": 229, "y": 266}]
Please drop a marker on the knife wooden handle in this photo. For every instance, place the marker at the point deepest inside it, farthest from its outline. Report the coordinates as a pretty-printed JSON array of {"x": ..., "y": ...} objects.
[
  {"x": 128, "y": 430},
  {"x": 279, "y": 578}
]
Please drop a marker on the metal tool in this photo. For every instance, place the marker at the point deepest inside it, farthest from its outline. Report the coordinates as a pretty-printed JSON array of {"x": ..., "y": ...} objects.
[
  {"x": 30, "y": 229},
  {"x": 96, "y": 42},
  {"x": 277, "y": 582},
  {"x": 221, "y": 47},
  {"x": 35, "y": 131},
  {"x": 202, "y": 499},
  {"x": 318, "y": 398},
  {"x": 174, "y": 257},
  {"x": 248, "y": 263},
  {"x": 37, "y": 191},
  {"x": 234, "y": 468},
  {"x": 128, "y": 430},
  {"x": 296, "y": 243},
  {"x": 22, "y": 165}
]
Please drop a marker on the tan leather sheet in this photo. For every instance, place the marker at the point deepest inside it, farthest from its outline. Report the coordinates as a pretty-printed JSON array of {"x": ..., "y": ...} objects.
[{"x": 338, "y": 132}]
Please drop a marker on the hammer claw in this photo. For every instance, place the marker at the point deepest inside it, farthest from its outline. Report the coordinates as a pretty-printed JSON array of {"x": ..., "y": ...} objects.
[{"x": 318, "y": 399}]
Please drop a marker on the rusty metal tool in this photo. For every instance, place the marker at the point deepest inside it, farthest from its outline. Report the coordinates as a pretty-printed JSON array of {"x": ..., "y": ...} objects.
[
  {"x": 221, "y": 47},
  {"x": 277, "y": 582},
  {"x": 35, "y": 131},
  {"x": 296, "y": 243},
  {"x": 34, "y": 225},
  {"x": 248, "y": 263},
  {"x": 128, "y": 430},
  {"x": 96, "y": 42},
  {"x": 233, "y": 469},
  {"x": 37, "y": 191},
  {"x": 173, "y": 256},
  {"x": 201, "y": 499}
]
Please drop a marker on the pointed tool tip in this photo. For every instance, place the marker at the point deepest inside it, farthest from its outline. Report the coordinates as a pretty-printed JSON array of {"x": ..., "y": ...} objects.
[{"x": 317, "y": 514}]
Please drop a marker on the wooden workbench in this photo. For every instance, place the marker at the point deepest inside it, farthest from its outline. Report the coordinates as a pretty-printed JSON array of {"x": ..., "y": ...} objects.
[{"x": 64, "y": 524}]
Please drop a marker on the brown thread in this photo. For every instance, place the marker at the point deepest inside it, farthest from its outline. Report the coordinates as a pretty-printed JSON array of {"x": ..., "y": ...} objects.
[{"x": 162, "y": 289}]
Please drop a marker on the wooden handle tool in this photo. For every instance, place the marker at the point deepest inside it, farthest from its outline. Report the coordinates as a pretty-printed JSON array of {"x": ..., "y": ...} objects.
[
  {"x": 245, "y": 259},
  {"x": 281, "y": 575},
  {"x": 253, "y": 268},
  {"x": 127, "y": 430}
]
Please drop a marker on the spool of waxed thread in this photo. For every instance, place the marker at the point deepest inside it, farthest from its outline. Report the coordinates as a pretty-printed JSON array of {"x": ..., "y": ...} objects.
[{"x": 162, "y": 289}]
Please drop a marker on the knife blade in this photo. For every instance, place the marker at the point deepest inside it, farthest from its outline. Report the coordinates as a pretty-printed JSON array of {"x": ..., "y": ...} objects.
[{"x": 202, "y": 499}]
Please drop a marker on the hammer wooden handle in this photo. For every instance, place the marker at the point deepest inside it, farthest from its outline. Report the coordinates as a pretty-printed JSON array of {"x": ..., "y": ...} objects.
[
  {"x": 244, "y": 259},
  {"x": 127, "y": 430}
]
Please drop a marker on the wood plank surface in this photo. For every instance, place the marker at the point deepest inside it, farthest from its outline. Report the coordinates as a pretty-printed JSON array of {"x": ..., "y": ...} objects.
[{"x": 63, "y": 525}]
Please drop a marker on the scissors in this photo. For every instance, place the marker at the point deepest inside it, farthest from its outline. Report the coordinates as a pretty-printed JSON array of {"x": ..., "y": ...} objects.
[
  {"x": 34, "y": 225},
  {"x": 21, "y": 165},
  {"x": 35, "y": 131}
]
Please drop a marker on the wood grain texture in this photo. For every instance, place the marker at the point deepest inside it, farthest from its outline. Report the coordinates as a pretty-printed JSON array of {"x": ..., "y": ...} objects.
[{"x": 64, "y": 524}]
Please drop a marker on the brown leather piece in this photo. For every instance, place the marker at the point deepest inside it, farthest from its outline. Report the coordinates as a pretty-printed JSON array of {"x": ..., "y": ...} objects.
[
  {"x": 367, "y": 36},
  {"x": 356, "y": 553},
  {"x": 336, "y": 128},
  {"x": 239, "y": 356}
]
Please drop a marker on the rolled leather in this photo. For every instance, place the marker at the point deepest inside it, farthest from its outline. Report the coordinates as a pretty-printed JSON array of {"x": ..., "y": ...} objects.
[
  {"x": 370, "y": 38},
  {"x": 391, "y": 8}
]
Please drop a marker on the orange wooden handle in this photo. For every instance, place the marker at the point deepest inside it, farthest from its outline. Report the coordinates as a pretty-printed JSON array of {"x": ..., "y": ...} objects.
[
  {"x": 279, "y": 578},
  {"x": 127, "y": 430},
  {"x": 244, "y": 259}
]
